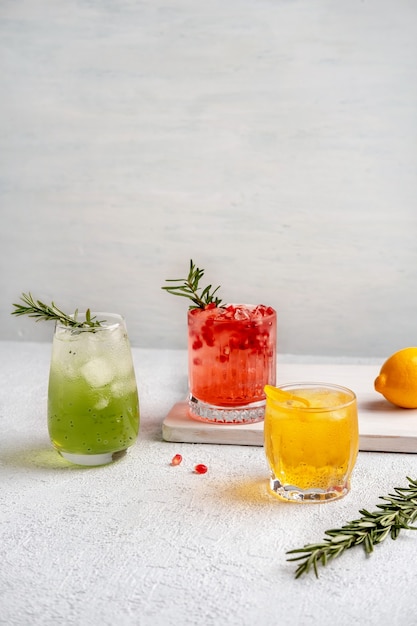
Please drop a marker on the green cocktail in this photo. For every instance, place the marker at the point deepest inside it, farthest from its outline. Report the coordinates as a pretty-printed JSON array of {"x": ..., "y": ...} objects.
[{"x": 93, "y": 406}]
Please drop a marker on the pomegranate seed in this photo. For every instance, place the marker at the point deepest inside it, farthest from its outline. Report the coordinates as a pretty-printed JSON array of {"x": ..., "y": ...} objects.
[
  {"x": 197, "y": 344},
  {"x": 200, "y": 469},
  {"x": 176, "y": 460}
]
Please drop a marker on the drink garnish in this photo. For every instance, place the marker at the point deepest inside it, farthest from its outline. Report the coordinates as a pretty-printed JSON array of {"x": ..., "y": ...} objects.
[
  {"x": 41, "y": 311},
  {"x": 398, "y": 513},
  {"x": 284, "y": 396},
  {"x": 189, "y": 288}
]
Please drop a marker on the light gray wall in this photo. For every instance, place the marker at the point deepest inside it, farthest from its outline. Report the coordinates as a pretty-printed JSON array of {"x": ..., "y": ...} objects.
[{"x": 272, "y": 141}]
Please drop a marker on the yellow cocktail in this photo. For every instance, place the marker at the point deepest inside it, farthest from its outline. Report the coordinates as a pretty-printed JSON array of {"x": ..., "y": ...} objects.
[{"x": 311, "y": 440}]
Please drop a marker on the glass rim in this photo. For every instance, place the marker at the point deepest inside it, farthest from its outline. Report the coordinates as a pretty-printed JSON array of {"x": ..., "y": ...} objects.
[
  {"x": 249, "y": 306},
  {"x": 115, "y": 320},
  {"x": 314, "y": 385}
]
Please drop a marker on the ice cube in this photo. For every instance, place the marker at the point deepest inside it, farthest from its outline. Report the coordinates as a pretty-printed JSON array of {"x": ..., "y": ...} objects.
[
  {"x": 258, "y": 312},
  {"x": 261, "y": 310},
  {"x": 123, "y": 366},
  {"x": 241, "y": 313},
  {"x": 121, "y": 388},
  {"x": 102, "y": 403},
  {"x": 97, "y": 372},
  {"x": 235, "y": 312}
]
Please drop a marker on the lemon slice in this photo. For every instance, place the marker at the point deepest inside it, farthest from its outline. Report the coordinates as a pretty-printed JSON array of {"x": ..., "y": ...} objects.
[{"x": 284, "y": 396}]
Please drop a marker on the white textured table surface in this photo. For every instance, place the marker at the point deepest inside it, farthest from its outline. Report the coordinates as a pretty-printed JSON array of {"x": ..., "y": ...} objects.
[{"x": 140, "y": 542}]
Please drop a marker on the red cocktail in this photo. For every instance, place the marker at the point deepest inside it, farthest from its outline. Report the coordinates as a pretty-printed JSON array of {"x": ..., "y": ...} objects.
[{"x": 231, "y": 357}]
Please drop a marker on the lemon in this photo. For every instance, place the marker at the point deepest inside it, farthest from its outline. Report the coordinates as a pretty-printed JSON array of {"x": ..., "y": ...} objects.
[{"x": 397, "y": 380}]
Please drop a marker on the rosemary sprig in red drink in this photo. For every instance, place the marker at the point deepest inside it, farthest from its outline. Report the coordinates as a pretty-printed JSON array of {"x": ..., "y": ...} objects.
[
  {"x": 231, "y": 353},
  {"x": 189, "y": 288}
]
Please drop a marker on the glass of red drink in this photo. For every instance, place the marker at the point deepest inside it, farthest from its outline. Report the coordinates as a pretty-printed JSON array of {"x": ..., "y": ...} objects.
[{"x": 231, "y": 357}]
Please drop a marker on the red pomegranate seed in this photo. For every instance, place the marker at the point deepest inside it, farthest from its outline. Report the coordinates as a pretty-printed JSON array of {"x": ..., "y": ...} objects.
[
  {"x": 200, "y": 469},
  {"x": 176, "y": 460}
]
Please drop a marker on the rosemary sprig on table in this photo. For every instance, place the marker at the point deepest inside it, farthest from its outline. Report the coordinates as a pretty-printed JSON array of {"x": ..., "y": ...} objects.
[
  {"x": 189, "y": 288},
  {"x": 41, "y": 311},
  {"x": 398, "y": 513}
]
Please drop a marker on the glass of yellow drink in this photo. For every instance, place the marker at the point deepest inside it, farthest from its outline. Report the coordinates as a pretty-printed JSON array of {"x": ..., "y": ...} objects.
[{"x": 311, "y": 440}]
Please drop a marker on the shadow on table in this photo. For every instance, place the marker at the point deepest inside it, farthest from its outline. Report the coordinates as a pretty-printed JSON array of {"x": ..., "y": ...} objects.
[
  {"x": 250, "y": 491},
  {"x": 380, "y": 405},
  {"x": 37, "y": 457}
]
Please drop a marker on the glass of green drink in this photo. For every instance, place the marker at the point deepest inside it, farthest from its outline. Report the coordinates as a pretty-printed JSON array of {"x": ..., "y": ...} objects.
[{"x": 93, "y": 406}]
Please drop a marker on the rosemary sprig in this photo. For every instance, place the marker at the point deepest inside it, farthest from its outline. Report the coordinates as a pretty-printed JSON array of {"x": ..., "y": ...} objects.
[
  {"x": 398, "y": 513},
  {"x": 189, "y": 288},
  {"x": 41, "y": 311}
]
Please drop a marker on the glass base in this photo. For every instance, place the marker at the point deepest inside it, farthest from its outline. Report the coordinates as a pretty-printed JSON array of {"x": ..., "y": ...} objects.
[
  {"x": 244, "y": 414},
  {"x": 92, "y": 460},
  {"x": 292, "y": 493}
]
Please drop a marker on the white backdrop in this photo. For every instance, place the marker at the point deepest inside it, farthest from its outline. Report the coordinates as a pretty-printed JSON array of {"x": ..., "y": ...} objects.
[{"x": 272, "y": 141}]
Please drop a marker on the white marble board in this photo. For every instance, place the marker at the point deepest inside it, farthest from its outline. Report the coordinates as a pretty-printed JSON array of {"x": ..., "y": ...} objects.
[{"x": 382, "y": 426}]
